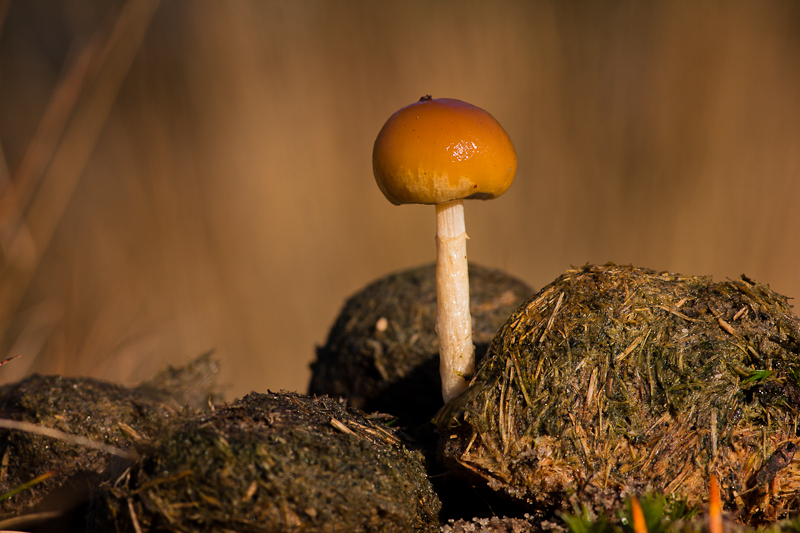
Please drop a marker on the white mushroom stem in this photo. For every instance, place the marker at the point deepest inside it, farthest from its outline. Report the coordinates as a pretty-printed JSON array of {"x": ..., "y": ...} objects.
[{"x": 453, "y": 320}]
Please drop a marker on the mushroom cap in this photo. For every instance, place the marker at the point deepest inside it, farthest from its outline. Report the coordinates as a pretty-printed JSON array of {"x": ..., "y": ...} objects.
[{"x": 436, "y": 151}]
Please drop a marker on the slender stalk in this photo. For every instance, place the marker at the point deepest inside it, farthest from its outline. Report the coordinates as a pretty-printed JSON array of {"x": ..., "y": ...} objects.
[{"x": 453, "y": 320}]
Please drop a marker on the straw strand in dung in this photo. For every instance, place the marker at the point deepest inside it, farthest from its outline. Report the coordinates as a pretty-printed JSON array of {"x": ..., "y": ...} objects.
[{"x": 616, "y": 379}]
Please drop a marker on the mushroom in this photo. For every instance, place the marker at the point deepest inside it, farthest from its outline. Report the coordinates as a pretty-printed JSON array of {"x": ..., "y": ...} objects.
[{"x": 441, "y": 152}]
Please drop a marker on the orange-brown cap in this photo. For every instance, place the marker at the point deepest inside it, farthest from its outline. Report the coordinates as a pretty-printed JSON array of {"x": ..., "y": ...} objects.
[{"x": 436, "y": 151}]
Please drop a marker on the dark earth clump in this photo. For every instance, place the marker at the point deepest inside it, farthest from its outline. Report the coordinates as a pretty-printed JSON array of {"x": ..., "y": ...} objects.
[
  {"x": 63, "y": 470},
  {"x": 616, "y": 380},
  {"x": 382, "y": 353},
  {"x": 273, "y": 462}
]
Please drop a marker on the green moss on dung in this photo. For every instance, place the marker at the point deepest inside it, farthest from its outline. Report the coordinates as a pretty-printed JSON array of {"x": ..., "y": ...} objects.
[
  {"x": 615, "y": 380},
  {"x": 274, "y": 462},
  {"x": 98, "y": 410}
]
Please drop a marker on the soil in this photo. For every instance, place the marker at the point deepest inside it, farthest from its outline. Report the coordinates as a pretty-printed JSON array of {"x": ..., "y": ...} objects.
[{"x": 382, "y": 353}]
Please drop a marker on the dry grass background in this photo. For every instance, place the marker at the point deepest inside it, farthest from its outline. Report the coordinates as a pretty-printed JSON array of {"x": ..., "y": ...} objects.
[{"x": 228, "y": 201}]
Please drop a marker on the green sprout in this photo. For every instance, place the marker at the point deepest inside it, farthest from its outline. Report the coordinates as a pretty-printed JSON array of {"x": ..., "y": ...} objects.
[
  {"x": 25, "y": 486},
  {"x": 795, "y": 373},
  {"x": 660, "y": 512},
  {"x": 757, "y": 375},
  {"x": 581, "y": 522}
]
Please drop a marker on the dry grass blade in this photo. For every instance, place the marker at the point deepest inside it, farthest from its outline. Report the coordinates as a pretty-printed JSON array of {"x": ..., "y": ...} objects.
[
  {"x": 54, "y": 161},
  {"x": 629, "y": 349},
  {"x": 163, "y": 480},
  {"x": 31, "y": 483},
  {"x": 341, "y": 427},
  {"x": 74, "y": 439},
  {"x": 134, "y": 520},
  {"x": 30, "y": 170},
  {"x": 28, "y": 520},
  {"x": 9, "y": 359}
]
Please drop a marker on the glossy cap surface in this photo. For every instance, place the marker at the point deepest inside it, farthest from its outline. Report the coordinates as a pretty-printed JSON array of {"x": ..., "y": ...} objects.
[{"x": 436, "y": 151}]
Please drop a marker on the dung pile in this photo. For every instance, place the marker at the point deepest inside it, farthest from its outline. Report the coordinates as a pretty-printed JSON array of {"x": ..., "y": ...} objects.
[
  {"x": 90, "y": 409},
  {"x": 382, "y": 353},
  {"x": 273, "y": 462},
  {"x": 617, "y": 380}
]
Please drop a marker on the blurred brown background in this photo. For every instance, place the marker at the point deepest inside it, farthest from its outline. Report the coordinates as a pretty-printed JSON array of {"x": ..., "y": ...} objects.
[{"x": 211, "y": 187}]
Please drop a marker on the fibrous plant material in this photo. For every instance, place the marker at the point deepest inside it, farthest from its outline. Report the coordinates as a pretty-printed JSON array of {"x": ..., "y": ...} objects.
[
  {"x": 277, "y": 462},
  {"x": 56, "y": 472},
  {"x": 382, "y": 353},
  {"x": 616, "y": 380}
]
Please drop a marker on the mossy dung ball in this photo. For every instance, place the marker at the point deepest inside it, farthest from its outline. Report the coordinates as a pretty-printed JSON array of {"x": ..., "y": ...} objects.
[
  {"x": 615, "y": 380},
  {"x": 382, "y": 353},
  {"x": 268, "y": 463}
]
